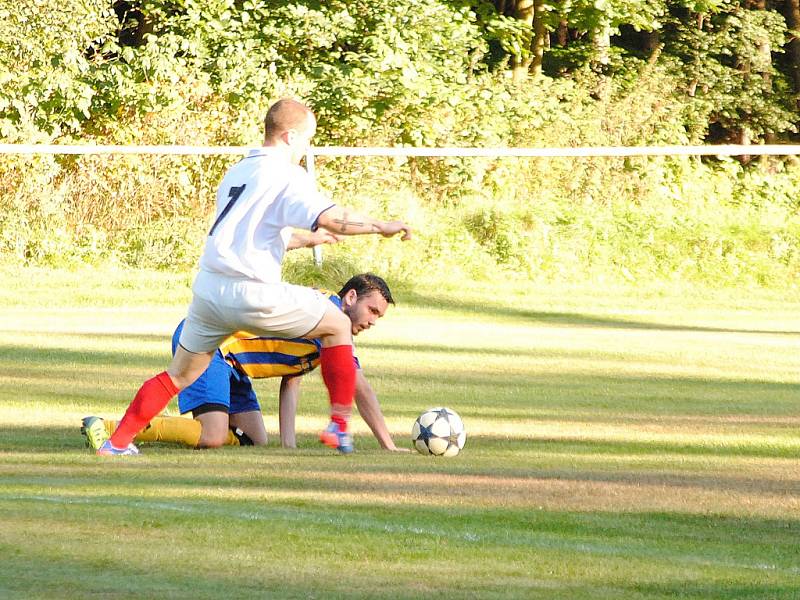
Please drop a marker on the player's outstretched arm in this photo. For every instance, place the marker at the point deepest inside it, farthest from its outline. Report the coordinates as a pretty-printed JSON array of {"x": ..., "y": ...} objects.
[
  {"x": 370, "y": 411},
  {"x": 344, "y": 221}
]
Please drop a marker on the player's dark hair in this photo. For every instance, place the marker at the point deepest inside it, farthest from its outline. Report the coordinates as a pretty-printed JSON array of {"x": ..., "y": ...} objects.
[{"x": 365, "y": 283}]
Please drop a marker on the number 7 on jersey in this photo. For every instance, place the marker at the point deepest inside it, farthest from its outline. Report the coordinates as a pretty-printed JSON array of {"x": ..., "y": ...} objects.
[{"x": 233, "y": 194}]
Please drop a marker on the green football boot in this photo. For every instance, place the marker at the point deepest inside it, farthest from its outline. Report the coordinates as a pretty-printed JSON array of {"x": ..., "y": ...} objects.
[{"x": 95, "y": 432}]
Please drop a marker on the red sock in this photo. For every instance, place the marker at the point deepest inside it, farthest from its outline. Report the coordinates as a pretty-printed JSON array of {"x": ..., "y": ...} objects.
[
  {"x": 150, "y": 400},
  {"x": 339, "y": 374}
]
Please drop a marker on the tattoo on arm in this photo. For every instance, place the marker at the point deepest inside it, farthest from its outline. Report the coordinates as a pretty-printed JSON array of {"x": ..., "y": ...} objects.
[{"x": 345, "y": 222}]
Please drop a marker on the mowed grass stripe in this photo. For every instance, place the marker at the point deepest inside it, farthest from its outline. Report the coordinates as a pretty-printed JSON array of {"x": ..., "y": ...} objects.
[
  {"x": 620, "y": 446},
  {"x": 508, "y": 530}
]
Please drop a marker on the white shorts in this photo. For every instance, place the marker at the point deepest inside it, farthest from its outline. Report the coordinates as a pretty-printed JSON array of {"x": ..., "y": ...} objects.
[{"x": 223, "y": 305}]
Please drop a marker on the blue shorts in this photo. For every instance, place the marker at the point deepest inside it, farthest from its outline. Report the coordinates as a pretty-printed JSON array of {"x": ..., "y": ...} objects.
[{"x": 220, "y": 384}]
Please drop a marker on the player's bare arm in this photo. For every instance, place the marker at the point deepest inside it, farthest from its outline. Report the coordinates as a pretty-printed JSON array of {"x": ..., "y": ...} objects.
[
  {"x": 370, "y": 410},
  {"x": 310, "y": 239},
  {"x": 287, "y": 409},
  {"x": 344, "y": 221}
]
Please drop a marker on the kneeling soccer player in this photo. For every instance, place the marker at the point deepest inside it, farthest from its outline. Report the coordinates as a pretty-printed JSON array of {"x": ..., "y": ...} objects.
[{"x": 223, "y": 402}]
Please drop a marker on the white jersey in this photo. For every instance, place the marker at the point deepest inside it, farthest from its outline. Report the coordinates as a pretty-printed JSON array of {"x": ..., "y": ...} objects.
[{"x": 259, "y": 201}]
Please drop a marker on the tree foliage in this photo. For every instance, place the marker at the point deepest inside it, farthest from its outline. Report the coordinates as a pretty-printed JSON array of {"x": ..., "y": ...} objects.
[
  {"x": 411, "y": 72},
  {"x": 378, "y": 69}
]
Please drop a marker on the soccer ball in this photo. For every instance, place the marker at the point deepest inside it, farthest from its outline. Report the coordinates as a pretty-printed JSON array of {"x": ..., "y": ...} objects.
[{"x": 438, "y": 431}]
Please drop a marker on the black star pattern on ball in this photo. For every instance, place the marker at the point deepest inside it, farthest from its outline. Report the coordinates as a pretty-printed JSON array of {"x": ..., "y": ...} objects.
[{"x": 443, "y": 414}]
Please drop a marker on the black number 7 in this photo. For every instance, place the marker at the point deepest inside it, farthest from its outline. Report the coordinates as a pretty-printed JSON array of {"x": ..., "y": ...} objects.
[{"x": 233, "y": 194}]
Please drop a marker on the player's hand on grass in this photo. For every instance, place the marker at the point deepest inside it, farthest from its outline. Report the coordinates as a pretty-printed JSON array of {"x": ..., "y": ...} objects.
[{"x": 396, "y": 449}]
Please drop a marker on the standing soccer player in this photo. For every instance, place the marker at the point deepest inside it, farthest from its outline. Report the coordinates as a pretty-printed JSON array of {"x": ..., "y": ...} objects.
[{"x": 239, "y": 287}]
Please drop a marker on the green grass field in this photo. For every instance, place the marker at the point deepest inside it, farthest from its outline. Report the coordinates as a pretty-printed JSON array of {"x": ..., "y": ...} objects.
[{"x": 622, "y": 444}]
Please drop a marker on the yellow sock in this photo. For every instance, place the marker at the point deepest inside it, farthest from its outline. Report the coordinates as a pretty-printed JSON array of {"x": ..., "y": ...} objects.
[
  {"x": 232, "y": 440},
  {"x": 172, "y": 429}
]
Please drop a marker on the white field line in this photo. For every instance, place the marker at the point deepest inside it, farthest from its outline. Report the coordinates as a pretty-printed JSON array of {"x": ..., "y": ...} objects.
[
  {"x": 401, "y": 151},
  {"x": 540, "y": 541}
]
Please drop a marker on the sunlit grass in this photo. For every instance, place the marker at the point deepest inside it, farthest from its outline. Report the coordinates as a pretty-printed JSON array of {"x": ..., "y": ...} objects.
[{"x": 620, "y": 445}]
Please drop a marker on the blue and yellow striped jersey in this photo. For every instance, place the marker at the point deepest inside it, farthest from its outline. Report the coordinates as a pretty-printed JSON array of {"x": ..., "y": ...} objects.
[
  {"x": 260, "y": 357},
  {"x": 270, "y": 357}
]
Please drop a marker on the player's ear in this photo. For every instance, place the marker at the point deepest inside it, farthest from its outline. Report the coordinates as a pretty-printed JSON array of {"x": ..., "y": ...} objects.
[{"x": 350, "y": 298}]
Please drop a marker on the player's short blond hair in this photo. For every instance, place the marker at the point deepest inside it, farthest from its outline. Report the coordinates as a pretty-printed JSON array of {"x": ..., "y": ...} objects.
[{"x": 284, "y": 115}]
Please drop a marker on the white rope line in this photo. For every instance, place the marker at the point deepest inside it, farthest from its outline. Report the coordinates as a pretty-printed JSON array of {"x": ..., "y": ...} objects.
[
  {"x": 400, "y": 151},
  {"x": 587, "y": 151},
  {"x": 90, "y": 149}
]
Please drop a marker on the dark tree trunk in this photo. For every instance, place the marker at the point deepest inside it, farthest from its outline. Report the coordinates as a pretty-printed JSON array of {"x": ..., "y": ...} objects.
[
  {"x": 792, "y": 14},
  {"x": 540, "y": 38},
  {"x": 562, "y": 33},
  {"x": 523, "y": 11}
]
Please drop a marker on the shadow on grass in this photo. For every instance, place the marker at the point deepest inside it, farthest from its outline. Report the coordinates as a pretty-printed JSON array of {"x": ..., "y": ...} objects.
[
  {"x": 72, "y": 574},
  {"x": 715, "y": 591},
  {"x": 563, "y": 318},
  {"x": 477, "y": 395},
  {"x": 516, "y": 353},
  {"x": 27, "y": 361},
  {"x": 512, "y": 393},
  {"x": 131, "y": 337}
]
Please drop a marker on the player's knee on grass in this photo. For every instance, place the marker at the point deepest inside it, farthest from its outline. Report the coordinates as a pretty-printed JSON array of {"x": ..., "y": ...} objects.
[
  {"x": 215, "y": 429},
  {"x": 251, "y": 423}
]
